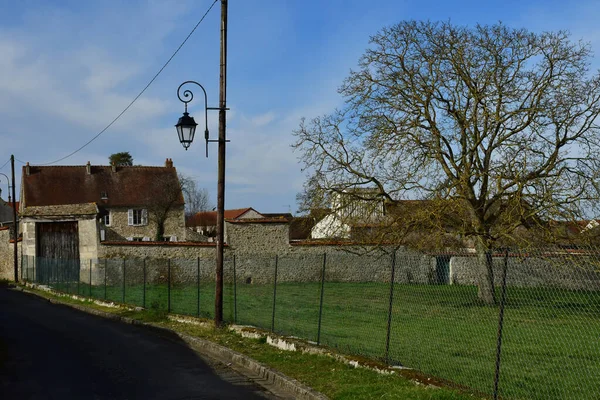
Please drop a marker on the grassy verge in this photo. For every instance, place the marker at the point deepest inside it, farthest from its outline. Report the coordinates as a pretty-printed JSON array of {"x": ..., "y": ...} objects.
[
  {"x": 550, "y": 343},
  {"x": 326, "y": 375}
]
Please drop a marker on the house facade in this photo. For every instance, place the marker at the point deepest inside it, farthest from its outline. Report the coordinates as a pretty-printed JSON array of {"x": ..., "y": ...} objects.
[
  {"x": 6, "y": 212},
  {"x": 205, "y": 222},
  {"x": 68, "y": 211},
  {"x": 350, "y": 208}
]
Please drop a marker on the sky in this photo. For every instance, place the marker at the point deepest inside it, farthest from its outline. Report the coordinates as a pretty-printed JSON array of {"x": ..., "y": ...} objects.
[{"x": 69, "y": 67}]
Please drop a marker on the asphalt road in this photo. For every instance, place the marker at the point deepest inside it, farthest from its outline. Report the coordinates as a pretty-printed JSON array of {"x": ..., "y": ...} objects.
[{"x": 55, "y": 352}]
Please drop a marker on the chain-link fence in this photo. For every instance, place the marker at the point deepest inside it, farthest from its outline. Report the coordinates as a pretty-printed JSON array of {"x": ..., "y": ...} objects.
[{"x": 538, "y": 337}]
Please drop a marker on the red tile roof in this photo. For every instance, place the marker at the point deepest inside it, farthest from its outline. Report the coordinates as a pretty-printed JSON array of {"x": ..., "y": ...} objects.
[
  {"x": 10, "y": 204},
  {"x": 128, "y": 186},
  {"x": 209, "y": 218},
  {"x": 259, "y": 221}
]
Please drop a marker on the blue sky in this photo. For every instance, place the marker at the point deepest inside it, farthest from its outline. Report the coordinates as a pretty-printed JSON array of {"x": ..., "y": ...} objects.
[{"x": 67, "y": 68}]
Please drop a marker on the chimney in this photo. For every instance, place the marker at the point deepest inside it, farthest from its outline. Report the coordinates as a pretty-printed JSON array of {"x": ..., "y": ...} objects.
[
  {"x": 27, "y": 169},
  {"x": 169, "y": 163},
  {"x": 113, "y": 166},
  {"x": 88, "y": 168}
]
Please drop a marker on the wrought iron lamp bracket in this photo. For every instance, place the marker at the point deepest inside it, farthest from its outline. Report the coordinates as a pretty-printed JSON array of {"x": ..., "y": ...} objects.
[{"x": 188, "y": 96}]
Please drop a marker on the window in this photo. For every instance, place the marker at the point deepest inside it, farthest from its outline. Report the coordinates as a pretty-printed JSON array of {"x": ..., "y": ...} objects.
[
  {"x": 137, "y": 217},
  {"x": 106, "y": 218}
]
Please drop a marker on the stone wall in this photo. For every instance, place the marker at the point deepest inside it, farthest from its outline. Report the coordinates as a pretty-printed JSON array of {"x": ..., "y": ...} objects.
[
  {"x": 342, "y": 264},
  {"x": 157, "y": 250},
  {"x": 568, "y": 271},
  {"x": 88, "y": 238},
  {"x": 258, "y": 248},
  {"x": 7, "y": 266},
  {"x": 28, "y": 237},
  {"x": 258, "y": 237}
]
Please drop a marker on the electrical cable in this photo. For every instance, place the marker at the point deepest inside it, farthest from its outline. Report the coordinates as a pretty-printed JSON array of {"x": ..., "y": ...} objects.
[{"x": 136, "y": 97}]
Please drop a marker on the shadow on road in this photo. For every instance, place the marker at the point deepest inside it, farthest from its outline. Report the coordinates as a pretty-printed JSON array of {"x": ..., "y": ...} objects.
[{"x": 56, "y": 352}]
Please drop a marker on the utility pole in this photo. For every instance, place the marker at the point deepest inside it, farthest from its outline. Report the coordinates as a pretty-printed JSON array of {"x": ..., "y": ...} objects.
[
  {"x": 221, "y": 169},
  {"x": 15, "y": 226}
]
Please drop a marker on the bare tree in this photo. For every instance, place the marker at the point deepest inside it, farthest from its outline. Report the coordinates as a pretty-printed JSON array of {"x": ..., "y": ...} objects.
[
  {"x": 167, "y": 197},
  {"x": 495, "y": 127},
  {"x": 196, "y": 199}
]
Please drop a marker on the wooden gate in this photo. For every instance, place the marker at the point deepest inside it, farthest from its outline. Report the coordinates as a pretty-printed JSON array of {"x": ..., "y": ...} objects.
[{"x": 57, "y": 252}]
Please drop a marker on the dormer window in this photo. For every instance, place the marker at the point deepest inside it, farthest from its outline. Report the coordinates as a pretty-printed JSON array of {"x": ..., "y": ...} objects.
[{"x": 103, "y": 195}]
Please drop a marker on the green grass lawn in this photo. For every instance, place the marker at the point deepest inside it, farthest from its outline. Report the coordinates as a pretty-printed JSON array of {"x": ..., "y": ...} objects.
[{"x": 551, "y": 343}]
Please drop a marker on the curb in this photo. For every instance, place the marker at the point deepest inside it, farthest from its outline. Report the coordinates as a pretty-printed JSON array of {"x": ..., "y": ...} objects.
[{"x": 270, "y": 379}]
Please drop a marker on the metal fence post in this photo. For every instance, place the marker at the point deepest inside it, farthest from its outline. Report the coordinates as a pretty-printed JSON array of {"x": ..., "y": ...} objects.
[
  {"x": 198, "y": 287},
  {"x": 500, "y": 326},
  {"x": 105, "y": 272},
  {"x": 90, "y": 277},
  {"x": 58, "y": 286},
  {"x": 169, "y": 285},
  {"x": 123, "y": 285},
  {"x": 389, "y": 322},
  {"x": 274, "y": 294},
  {"x": 234, "y": 293},
  {"x": 144, "y": 284},
  {"x": 321, "y": 299}
]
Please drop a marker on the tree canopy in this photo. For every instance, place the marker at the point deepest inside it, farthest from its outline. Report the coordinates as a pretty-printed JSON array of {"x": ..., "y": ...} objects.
[
  {"x": 121, "y": 159},
  {"x": 492, "y": 124}
]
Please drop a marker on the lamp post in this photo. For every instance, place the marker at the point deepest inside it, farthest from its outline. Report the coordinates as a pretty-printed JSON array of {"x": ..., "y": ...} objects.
[{"x": 186, "y": 129}]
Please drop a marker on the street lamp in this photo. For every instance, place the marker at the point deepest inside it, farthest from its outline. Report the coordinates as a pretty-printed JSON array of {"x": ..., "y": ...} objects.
[
  {"x": 186, "y": 129},
  {"x": 186, "y": 126}
]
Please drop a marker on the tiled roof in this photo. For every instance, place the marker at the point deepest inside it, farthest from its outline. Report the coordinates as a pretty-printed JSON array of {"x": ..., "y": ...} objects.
[
  {"x": 59, "y": 210},
  {"x": 259, "y": 221},
  {"x": 287, "y": 216},
  {"x": 209, "y": 218},
  {"x": 128, "y": 186},
  {"x": 9, "y": 204}
]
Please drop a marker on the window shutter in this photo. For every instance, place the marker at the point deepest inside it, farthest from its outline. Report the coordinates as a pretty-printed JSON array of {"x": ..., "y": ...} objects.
[
  {"x": 144, "y": 217},
  {"x": 129, "y": 217},
  {"x": 145, "y": 239},
  {"x": 173, "y": 238}
]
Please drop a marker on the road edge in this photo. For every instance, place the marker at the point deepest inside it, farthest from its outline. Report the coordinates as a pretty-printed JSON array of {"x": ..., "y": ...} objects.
[{"x": 264, "y": 376}]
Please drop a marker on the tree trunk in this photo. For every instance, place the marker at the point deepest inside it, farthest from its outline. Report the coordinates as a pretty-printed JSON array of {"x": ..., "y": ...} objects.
[
  {"x": 160, "y": 231},
  {"x": 485, "y": 273}
]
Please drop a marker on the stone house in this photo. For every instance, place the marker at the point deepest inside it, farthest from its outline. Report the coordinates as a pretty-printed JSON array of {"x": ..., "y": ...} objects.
[
  {"x": 205, "y": 222},
  {"x": 6, "y": 212},
  {"x": 349, "y": 208},
  {"x": 68, "y": 211}
]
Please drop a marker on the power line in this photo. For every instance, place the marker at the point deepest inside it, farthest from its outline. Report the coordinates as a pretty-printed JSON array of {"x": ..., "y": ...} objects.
[
  {"x": 7, "y": 161},
  {"x": 136, "y": 97}
]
